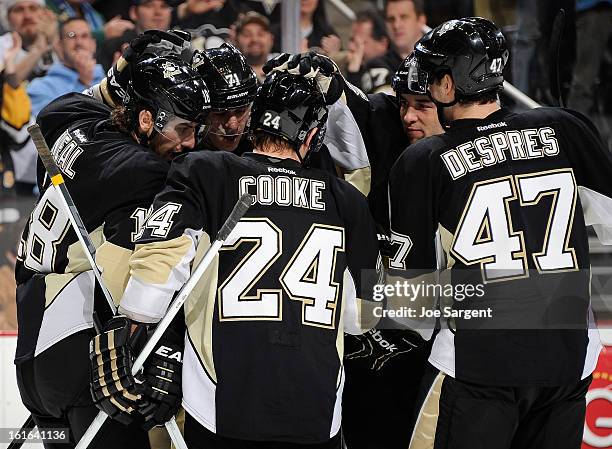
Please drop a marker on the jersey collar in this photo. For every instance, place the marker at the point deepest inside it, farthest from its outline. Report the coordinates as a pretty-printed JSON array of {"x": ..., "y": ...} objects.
[
  {"x": 463, "y": 123},
  {"x": 291, "y": 163}
]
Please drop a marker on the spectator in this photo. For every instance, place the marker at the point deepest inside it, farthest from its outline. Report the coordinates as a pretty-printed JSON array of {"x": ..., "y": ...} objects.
[
  {"x": 37, "y": 28},
  {"x": 151, "y": 15},
  {"x": 405, "y": 22},
  {"x": 209, "y": 21},
  {"x": 15, "y": 114},
  {"x": 254, "y": 40},
  {"x": 371, "y": 58},
  {"x": 269, "y": 8},
  {"x": 593, "y": 33},
  {"x": 77, "y": 69},
  {"x": 316, "y": 30},
  {"x": 113, "y": 48},
  {"x": 146, "y": 15},
  {"x": 82, "y": 9},
  {"x": 110, "y": 9}
]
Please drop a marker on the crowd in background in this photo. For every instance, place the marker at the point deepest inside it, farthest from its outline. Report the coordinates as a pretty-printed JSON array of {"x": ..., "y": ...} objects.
[{"x": 51, "y": 48}]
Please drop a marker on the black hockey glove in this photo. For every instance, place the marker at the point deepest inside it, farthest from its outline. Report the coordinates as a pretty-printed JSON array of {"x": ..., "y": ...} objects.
[
  {"x": 162, "y": 381},
  {"x": 377, "y": 347},
  {"x": 113, "y": 388},
  {"x": 311, "y": 65},
  {"x": 174, "y": 42}
]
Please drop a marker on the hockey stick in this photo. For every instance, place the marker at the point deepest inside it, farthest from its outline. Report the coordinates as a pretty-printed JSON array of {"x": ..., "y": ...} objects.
[
  {"x": 28, "y": 424},
  {"x": 243, "y": 204},
  {"x": 554, "y": 55},
  {"x": 76, "y": 222},
  {"x": 90, "y": 251},
  {"x": 73, "y": 214}
]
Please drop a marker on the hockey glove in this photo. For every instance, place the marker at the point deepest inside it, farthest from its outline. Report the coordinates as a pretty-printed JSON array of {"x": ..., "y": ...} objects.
[
  {"x": 311, "y": 65},
  {"x": 113, "y": 388},
  {"x": 162, "y": 381},
  {"x": 377, "y": 347},
  {"x": 154, "y": 41}
]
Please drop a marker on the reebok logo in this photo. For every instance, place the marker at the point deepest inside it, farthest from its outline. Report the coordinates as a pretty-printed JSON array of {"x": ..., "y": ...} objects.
[
  {"x": 280, "y": 170},
  {"x": 378, "y": 338},
  {"x": 492, "y": 126}
]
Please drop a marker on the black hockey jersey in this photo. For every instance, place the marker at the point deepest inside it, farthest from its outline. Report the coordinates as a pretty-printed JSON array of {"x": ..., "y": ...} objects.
[
  {"x": 377, "y": 74},
  {"x": 113, "y": 181},
  {"x": 263, "y": 357},
  {"x": 379, "y": 122},
  {"x": 509, "y": 196}
]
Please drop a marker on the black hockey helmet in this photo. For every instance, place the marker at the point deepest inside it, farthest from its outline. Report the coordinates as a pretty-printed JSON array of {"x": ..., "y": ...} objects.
[
  {"x": 290, "y": 106},
  {"x": 473, "y": 50},
  {"x": 170, "y": 88},
  {"x": 232, "y": 82},
  {"x": 409, "y": 78}
]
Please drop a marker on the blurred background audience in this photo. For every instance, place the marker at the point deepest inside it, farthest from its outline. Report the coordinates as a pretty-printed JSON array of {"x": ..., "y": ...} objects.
[
  {"x": 59, "y": 46},
  {"x": 255, "y": 40},
  {"x": 76, "y": 69}
]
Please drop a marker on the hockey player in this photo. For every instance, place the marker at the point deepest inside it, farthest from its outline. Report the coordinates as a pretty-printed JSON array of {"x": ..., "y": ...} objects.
[
  {"x": 384, "y": 367},
  {"x": 510, "y": 195},
  {"x": 263, "y": 356},
  {"x": 114, "y": 162},
  {"x": 233, "y": 85}
]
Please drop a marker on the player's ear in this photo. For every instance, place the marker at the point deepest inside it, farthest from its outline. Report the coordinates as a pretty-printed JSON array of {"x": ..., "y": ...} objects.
[
  {"x": 145, "y": 121},
  {"x": 308, "y": 141},
  {"x": 448, "y": 87}
]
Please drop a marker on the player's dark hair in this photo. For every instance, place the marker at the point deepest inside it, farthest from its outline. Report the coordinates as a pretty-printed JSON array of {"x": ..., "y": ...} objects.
[
  {"x": 486, "y": 98},
  {"x": 126, "y": 120},
  {"x": 120, "y": 118},
  {"x": 419, "y": 6},
  {"x": 379, "y": 29},
  {"x": 270, "y": 143}
]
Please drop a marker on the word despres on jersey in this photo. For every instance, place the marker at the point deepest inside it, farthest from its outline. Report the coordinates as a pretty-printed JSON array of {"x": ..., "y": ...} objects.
[
  {"x": 284, "y": 190},
  {"x": 489, "y": 150}
]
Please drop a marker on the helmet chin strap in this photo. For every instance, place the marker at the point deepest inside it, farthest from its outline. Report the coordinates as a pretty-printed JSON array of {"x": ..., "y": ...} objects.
[{"x": 440, "y": 107}]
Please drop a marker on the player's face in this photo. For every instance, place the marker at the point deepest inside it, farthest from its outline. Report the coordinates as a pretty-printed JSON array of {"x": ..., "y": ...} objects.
[
  {"x": 152, "y": 15},
  {"x": 404, "y": 25},
  {"x": 169, "y": 149},
  {"x": 24, "y": 18},
  {"x": 419, "y": 117},
  {"x": 255, "y": 42},
  {"x": 226, "y": 128},
  {"x": 174, "y": 135}
]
